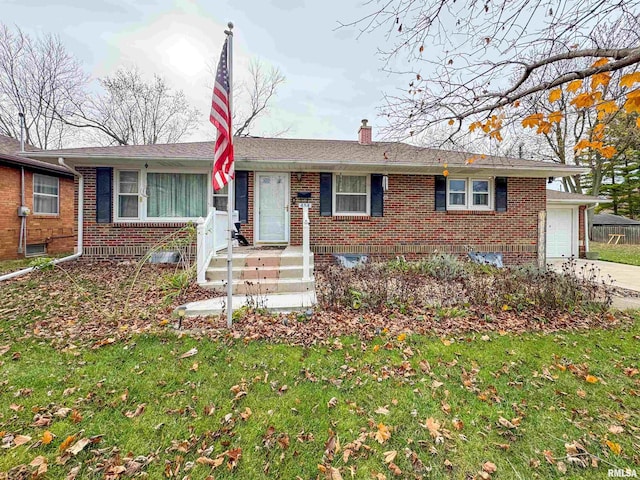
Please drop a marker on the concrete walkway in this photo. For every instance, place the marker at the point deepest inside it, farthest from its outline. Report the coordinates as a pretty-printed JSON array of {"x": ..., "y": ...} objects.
[
  {"x": 284, "y": 302},
  {"x": 623, "y": 276}
]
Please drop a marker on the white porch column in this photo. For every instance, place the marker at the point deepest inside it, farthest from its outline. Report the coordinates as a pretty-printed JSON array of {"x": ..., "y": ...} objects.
[{"x": 306, "y": 248}]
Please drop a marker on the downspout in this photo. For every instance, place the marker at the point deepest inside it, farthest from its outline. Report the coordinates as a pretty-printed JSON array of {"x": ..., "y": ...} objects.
[
  {"x": 23, "y": 221},
  {"x": 23, "y": 234},
  {"x": 80, "y": 223}
]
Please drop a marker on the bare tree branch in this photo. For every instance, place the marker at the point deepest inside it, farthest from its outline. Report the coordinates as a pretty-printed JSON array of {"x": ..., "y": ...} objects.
[
  {"x": 132, "y": 111},
  {"x": 467, "y": 59},
  {"x": 38, "y": 78},
  {"x": 255, "y": 96}
]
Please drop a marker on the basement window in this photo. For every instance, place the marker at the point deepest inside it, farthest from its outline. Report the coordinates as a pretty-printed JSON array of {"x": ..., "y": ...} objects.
[{"x": 36, "y": 249}]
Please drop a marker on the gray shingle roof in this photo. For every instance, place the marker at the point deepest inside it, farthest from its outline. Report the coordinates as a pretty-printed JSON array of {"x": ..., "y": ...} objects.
[
  {"x": 609, "y": 219},
  {"x": 9, "y": 150},
  {"x": 568, "y": 196},
  {"x": 310, "y": 151}
]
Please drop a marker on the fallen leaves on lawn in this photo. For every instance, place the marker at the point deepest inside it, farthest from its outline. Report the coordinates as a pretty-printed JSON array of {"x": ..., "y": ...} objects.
[
  {"x": 383, "y": 433},
  {"x": 21, "y": 440},
  {"x": 137, "y": 412}
]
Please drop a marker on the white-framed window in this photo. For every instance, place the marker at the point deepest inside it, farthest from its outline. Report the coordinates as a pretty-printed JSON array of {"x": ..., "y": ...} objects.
[
  {"x": 161, "y": 195},
  {"x": 469, "y": 193},
  {"x": 128, "y": 194},
  {"x": 351, "y": 194},
  {"x": 220, "y": 198},
  {"x": 46, "y": 195}
]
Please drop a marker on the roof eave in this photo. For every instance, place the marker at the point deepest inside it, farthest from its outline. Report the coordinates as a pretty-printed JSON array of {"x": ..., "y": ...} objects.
[{"x": 538, "y": 171}]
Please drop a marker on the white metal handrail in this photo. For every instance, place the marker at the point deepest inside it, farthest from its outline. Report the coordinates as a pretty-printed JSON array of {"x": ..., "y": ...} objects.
[{"x": 213, "y": 236}]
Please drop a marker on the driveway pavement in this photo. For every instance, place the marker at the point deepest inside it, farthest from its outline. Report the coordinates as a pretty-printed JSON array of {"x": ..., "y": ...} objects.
[{"x": 623, "y": 276}]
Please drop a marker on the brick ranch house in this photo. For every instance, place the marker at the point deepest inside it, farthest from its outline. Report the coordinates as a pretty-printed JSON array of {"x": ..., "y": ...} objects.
[
  {"x": 46, "y": 222},
  {"x": 373, "y": 198}
]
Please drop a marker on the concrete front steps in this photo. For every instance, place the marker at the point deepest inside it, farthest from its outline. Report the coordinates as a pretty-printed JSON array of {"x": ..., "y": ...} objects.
[{"x": 257, "y": 272}]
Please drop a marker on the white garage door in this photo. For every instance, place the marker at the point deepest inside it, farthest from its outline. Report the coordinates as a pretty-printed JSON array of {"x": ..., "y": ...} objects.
[{"x": 559, "y": 232}]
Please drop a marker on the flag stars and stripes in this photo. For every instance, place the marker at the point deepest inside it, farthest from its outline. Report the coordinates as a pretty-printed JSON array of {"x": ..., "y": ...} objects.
[{"x": 220, "y": 116}]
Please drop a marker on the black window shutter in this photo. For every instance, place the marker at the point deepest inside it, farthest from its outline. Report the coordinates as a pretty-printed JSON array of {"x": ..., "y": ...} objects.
[
  {"x": 377, "y": 195},
  {"x": 242, "y": 195},
  {"x": 104, "y": 196},
  {"x": 326, "y": 194},
  {"x": 501, "y": 194},
  {"x": 441, "y": 193}
]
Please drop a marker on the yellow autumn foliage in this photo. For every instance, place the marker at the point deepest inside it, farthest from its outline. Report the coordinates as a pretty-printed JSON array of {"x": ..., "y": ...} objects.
[
  {"x": 574, "y": 86},
  {"x": 555, "y": 95},
  {"x": 629, "y": 79},
  {"x": 555, "y": 117}
]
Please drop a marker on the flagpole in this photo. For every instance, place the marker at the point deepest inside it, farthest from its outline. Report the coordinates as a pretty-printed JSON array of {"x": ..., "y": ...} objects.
[{"x": 230, "y": 191}]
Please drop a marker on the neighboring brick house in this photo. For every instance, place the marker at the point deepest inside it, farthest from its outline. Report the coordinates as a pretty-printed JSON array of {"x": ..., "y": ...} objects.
[
  {"x": 48, "y": 191},
  {"x": 373, "y": 198}
]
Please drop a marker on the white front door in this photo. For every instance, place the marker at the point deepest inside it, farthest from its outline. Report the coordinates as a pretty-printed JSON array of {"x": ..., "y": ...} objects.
[
  {"x": 272, "y": 205},
  {"x": 560, "y": 232}
]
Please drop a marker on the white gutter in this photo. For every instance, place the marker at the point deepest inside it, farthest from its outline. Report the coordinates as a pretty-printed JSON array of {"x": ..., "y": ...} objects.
[{"x": 80, "y": 223}]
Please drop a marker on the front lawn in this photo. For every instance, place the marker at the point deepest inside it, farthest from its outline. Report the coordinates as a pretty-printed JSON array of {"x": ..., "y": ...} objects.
[
  {"x": 96, "y": 382},
  {"x": 532, "y": 405},
  {"x": 629, "y": 254}
]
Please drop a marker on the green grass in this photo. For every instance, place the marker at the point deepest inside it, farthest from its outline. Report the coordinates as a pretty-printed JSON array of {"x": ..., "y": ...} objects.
[
  {"x": 510, "y": 376},
  {"x": 8, "y": 266},
  {"x": 629, "y": 254}
]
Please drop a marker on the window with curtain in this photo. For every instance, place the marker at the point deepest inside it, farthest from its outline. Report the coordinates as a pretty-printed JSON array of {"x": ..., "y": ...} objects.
[
  {"x": 176, "y": 195},
  {"x": 351, "y": 194},
  {"x": 220, "y": 198},
  {"x": 480, "y": 192},
  {"x": 128, "y": 190},
  {"x": 457, "y": 192},
  {"x": 46, "y": 191}
]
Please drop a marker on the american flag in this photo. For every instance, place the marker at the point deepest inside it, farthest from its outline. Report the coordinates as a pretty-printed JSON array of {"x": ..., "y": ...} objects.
[{"x": 220, "y": 116}]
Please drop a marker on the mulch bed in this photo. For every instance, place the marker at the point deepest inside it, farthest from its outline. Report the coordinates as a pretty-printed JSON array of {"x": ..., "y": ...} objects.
[{"x": 94, "y": 303}]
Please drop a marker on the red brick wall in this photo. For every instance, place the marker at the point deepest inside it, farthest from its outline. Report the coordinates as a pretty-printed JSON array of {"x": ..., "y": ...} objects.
[
  {"x": 412, "y": 227},
  {"x": 118, "y": 241},
  {"x": 581, "y": 244},
  {"x": 58, "y": 232}
]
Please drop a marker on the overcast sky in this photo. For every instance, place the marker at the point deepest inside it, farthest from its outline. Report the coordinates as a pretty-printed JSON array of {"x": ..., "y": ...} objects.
[{"x": 333, "y": 78}]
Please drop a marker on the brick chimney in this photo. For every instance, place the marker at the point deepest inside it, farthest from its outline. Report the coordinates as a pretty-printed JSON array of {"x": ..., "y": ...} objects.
[{"x": 364, "y": 133}]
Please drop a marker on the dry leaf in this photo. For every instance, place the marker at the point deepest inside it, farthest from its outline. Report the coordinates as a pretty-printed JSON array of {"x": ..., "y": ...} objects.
[
  {"x": 47, "y": 437},
  {"x": 246, "y": 414},
  {"x": 395, "y": 469},
  {"x": 581, "y": 393},
  {"x": 382, "y": 410},
  {"x": 489, "y": 467},
  {"x": 390, "y": 456},
  {"x": 67, "y": 442},
  {"x": 139, "y": 411},
  {"x": 21, "y": 440},
  {"x": 189, "y": 353},
  {"x": 79, "y": 446},
  {"x": 212, "y": 462},
  {"x": 591, "y": 379},
  {"x": 332, "y": 402},
  {"x": 383, "y": 433},
  {"x": 73, "y": 473},
  {"x": 615, "y": 429},
  {"x": 614, "y": 447},
  {"x": 433, "y": 426}
]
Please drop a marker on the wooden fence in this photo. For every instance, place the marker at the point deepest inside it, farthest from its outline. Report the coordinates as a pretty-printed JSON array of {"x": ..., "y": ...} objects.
[{"x": 600, "y": 233}]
